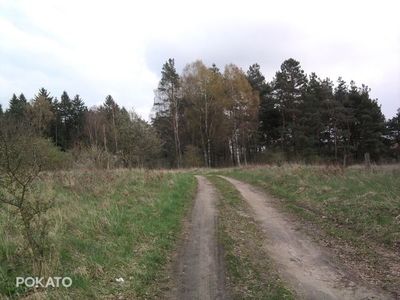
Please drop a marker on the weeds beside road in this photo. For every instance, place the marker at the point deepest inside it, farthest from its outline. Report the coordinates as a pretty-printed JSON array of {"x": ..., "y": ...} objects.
[{"x": 107, "y": 225}]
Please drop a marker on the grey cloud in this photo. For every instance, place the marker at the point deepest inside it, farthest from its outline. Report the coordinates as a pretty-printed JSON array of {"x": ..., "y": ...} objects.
[{"x": 242, "y": 44}]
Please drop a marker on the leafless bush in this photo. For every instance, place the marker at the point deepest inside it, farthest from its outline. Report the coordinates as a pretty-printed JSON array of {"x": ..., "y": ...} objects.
[{"x": 23, "y": 194}]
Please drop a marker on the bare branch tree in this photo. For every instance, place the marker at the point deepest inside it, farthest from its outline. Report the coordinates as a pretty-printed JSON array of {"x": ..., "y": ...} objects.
[{"x": 23, "y": 156}]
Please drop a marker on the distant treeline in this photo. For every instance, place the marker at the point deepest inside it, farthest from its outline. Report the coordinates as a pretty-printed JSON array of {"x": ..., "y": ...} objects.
[{"x": 206, "y": 117}]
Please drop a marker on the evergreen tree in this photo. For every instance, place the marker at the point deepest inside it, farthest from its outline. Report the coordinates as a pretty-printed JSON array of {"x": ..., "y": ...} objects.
[
  {"x": 44, "y": 94},
  {"x": 269, "y": 117},
  {"x": 13, "y": 106},
  {"x": 167, "y": 107},
  {"x": 16, "y": 107},
  {"x": 369, "y": 123},
  {"x": 63, "y": 121},
  {"x": 342, "y": 117},
  {"x": 78, "y": 112},
  {"x": 290, "y": 84},
  {"x": 215, "y": 69},
  {"x": 334, "y": 114},
  {"x": 393, "y": 126},
  {"x": 111, "y": 112},
  {"x": 257, "y": 80},
  {"x": 69, "y": 121},
  {"x": 40, "y": 112},
  {"x": 22, "y": 99},
  {"x": 312, "y": 119}
]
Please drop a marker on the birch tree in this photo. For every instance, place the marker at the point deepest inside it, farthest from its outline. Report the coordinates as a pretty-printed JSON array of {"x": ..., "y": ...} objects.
[
  {"x": 203, "y": 90},
  {"x": 242, "y": 111}
]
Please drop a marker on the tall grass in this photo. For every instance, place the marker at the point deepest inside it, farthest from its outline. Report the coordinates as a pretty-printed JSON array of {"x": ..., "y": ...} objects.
[{"x": 106, "y": 225}]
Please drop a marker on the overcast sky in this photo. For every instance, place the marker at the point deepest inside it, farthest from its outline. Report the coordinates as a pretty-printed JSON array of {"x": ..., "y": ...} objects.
[{"x": 97, "y": 48}]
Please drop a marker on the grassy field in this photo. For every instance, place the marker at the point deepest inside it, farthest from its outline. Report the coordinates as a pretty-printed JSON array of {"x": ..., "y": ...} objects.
[
  {"x": 251, "y": 273},
  {"x": 349, "y": 202},
  {"x": 352, "y": 211},
  {"x": 127, "y": 223},
  {"x": 106, "y": 225}
]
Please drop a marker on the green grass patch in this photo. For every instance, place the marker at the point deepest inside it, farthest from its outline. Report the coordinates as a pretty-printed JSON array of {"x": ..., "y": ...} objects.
[
  {"x": 251, "y": 273},
  {"x": 348, "y": 203},
  {"x": 106, "y": 225}
]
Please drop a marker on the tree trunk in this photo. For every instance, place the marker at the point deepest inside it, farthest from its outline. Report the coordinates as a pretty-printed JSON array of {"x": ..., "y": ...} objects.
[
  {"x": 177, "y": 140},
  {"x": 282, "y": 131},
  {"x": 367, "y": 161},
  {"x": 237, "y": 148},
  {"x": 105, "y": 145},
  {"x": 335, "y": 141},
  {"x": 175, "y": 123},
  {"x": 203, "y": 144},
  {"x": 115, "y": 132}
]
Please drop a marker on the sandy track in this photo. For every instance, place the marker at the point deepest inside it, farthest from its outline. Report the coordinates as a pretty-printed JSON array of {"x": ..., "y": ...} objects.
[
  {"x": 199, "y": 273},
  {"x": 309, "y": 268}
]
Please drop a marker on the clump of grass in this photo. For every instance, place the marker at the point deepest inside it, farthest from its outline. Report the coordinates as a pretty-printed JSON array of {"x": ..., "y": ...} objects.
[
  {"x": 251, "y": 273},
  {"x": 111, "y": 224}
]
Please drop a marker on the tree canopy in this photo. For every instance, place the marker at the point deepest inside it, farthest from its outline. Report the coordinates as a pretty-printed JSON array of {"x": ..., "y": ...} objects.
[{"x": 214, "y": 117}]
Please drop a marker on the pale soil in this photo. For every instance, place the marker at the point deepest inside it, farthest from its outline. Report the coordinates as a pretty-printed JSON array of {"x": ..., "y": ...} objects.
[
  {"x": 309, "y": 268},
  {"x": 199, "y": 272}
]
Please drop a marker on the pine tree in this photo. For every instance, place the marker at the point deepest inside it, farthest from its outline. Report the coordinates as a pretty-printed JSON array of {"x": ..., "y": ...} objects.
[
  {"x": 341, "y": 117},
  {"x": 369, "y": 123},
  {"x": 257, "y": 79},
  {"x": 269, "y": 117},
  {"x": 111, "y": 112},
  {"x": 40, "y": 112},
  {"x": 63, "y": 121},
  {"x": 167, "y": 106},
  {"x": 393, "y": 126},
  {"x": 290, "y": 84},
  {"x": 312, "y": 119},
  {"x": 16, "y": 107},
  {"x": 78, "y": 114},
  {"x": 44, "y": 94}
]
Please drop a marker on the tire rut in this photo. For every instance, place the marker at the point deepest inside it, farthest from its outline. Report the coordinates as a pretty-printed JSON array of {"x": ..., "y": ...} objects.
[
  {"x": 199, "y": 272},
  {"x": 307, "y": 267}
]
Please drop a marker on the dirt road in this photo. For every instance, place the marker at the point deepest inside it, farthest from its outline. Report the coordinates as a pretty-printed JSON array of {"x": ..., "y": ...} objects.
[
  {"x": 308, "y": 268},
  {"x": 199, "y": 272}
]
